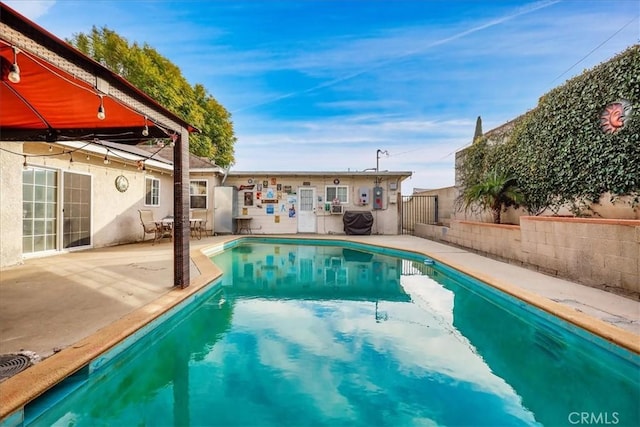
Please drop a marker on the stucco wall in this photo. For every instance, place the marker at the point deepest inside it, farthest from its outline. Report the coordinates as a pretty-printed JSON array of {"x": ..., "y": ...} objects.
[
  {"x": 385, "y": 221},
  {"x": 11, "y": 205},
  {"x": 602, "y": 253},
  {"x": 115, "y": 217}
]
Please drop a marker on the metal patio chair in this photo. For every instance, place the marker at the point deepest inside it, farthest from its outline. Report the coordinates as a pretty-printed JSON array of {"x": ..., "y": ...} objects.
[{"x": 150, "y": 225}]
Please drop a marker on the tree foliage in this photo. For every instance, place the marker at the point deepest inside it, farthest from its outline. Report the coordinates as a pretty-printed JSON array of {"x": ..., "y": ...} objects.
[
  {"x": 163, "y": 81},
  {"x": 557, "y": 153},
  {"x": 495, "y": 191}
]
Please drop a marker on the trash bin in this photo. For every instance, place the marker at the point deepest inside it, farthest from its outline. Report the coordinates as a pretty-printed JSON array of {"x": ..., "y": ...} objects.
[{"x": 357, "y": 222}]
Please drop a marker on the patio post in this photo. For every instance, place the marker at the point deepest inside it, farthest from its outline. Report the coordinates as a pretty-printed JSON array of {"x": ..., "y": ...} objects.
[{"x": 181, "y": 231}]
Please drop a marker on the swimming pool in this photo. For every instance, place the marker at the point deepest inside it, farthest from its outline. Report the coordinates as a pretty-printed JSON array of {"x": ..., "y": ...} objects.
[{"x": 297, "y": 334}]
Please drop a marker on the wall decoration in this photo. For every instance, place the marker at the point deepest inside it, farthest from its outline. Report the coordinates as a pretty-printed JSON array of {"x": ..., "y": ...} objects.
[
  {"x": 614, "y": 116},
  {"x": 245, "y": 211},
  {"x": 336, "y": 181},
  {"x": 248, "y": 198},
  {"x": 259, "y": 187},
  {"x": 250, "y": 181},
  {"x": 270, "y": 209},
  {"x": 265, "y": 183},
  {"x": 122, "y": 183},
  {"x": 246, "y": 187},
  {"x": 279, "y": 187},
  {"x": 292, "y": 199},
  {"x": 276, "y": 219},
  {"x": 273, "y": 181},
  {"x": 292, "y": 211},
  {"x": 259, "y": 195},
  {"x": 287, "y": 189},
  {"x": 270, "y": 193},
  {"x": 279, "y": 196}
]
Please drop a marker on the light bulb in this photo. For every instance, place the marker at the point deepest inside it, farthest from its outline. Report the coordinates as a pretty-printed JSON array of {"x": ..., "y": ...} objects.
[
  {"x": 106, "y": 160},
  {"x": 101, "y": 114},
  {"x": 14, "y": 74},
  {"x": 25, "y": 165},
  {"x": 145, "y": 130},
  {"x": 14, "y": 70}
]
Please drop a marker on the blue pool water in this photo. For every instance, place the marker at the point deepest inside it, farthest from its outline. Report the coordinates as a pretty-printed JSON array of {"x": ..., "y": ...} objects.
[{"x": 327, "y": 335}]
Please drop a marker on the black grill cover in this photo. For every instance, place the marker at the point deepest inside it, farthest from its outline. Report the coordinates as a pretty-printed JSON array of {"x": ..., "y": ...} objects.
[{"x": 357, "y": 222}]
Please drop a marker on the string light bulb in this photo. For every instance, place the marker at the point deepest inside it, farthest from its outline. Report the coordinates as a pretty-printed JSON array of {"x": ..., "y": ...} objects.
[
  {"x": 145, "y": 129},
  {"x": 25, "y": 165},
  {"x": 106, "y": 158},
  {"x": 14, "y": 70},
  {"x": 101, "y": 114},
  {"x": 50, "y": 148}
]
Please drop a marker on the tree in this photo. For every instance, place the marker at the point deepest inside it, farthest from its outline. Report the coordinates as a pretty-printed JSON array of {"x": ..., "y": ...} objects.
[
  {"x": 495, "y": 192},
  {"x": 478, "y": 132},
  {"x": 163, "y": 81}
]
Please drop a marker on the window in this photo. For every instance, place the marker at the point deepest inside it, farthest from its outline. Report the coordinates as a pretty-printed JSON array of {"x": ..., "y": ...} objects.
[
  {"x": 337, "y": 192},
  {"x": 152, "y": 192},
  {"x": 198, "y": 194}
]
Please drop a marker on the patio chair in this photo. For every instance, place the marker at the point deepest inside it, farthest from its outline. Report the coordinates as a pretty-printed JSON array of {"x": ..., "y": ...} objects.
[
  {"x": 159, "y": 229},
  {"x": 198, "y": 228}
]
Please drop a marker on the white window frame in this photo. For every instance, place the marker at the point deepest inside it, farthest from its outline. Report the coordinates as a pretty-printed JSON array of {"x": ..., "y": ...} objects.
[
  {"x": 205, "y": 195},
  {"x": 152, "y": 190},
  {"x": 343, "y": 200}
]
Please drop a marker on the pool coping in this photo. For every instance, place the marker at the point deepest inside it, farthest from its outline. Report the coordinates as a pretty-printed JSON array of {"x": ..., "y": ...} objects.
[{"x": 19, "y": 390}]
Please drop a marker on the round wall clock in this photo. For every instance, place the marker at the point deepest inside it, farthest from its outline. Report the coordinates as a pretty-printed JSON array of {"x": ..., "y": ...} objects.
[{"x": 122, "y": 183}]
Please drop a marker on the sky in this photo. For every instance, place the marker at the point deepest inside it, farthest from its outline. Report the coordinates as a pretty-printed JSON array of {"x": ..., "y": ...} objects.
[{"x": 349, "y": 85}]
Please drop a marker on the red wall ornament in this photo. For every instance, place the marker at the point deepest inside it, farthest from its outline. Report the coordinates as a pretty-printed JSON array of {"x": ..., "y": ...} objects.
[{"x": 614, "y": 116}]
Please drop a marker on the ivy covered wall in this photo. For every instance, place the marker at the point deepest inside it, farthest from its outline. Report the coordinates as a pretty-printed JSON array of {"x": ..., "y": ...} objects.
[{"x": 558, "y": 152}]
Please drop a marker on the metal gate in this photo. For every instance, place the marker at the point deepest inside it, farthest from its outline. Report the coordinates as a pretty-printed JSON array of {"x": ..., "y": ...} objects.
[{"x": 418, "y": 209}]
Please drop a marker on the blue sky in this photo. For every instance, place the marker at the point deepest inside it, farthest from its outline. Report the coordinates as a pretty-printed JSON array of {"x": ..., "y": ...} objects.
[{"x": 322, "y": 85}]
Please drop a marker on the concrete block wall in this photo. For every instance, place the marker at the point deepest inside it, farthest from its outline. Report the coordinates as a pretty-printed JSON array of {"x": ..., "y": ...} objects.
[
  {"x": 603, "y": 253},
  {"x": 595, "y": 252}
]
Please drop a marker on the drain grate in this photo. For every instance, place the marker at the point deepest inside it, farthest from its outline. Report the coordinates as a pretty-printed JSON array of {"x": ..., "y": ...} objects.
[{"x": 11, "y": 364}]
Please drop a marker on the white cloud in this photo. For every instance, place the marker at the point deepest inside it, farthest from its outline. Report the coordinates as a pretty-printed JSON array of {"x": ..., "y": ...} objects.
[{"x": 32, "y": 9}]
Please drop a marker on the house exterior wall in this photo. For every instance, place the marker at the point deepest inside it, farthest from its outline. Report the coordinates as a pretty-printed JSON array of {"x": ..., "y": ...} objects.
[
  {"x": 114, "y": 215},
  {"x": 213, "y": 180},
  {"x": 11, "y": 205},
  {"x": 385, "y": 220}
]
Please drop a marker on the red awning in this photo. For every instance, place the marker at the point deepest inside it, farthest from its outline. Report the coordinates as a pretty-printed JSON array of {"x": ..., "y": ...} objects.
[{"x": 60, "y": 90}]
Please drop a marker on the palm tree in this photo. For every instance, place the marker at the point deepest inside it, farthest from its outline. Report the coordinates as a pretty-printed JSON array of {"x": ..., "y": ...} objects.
[{"x": 497, "y": 191}]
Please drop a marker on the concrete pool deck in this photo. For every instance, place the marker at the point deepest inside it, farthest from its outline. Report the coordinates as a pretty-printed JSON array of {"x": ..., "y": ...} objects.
[{"x": 69, "y": 308}]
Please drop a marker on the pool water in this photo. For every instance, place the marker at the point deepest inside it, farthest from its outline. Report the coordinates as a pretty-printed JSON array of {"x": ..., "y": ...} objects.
[{"x": 297, "y": 335}]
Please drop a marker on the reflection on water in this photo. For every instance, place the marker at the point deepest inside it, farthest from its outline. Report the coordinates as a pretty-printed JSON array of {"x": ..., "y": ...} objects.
[{"x": 302, "y": 335}]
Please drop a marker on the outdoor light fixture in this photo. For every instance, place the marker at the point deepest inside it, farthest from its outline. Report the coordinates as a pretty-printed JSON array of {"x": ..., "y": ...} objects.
[
  {"x": 145, "y": 130},
  {"x": 14, "y": 71},
  {"x": 101, "y": 114}
]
